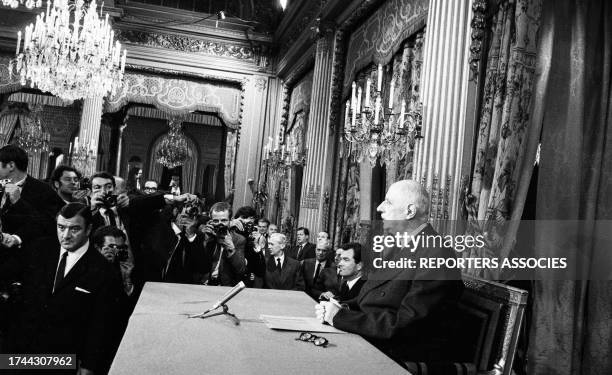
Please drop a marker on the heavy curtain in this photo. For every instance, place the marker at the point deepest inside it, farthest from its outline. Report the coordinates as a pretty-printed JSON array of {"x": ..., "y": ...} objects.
[
  {"x": 503, "y": 124},
  {"x": 572, "y": 328}
]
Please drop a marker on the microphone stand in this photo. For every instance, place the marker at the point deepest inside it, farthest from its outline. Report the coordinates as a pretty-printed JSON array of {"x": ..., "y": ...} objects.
[{"x": 222, "y": 303}]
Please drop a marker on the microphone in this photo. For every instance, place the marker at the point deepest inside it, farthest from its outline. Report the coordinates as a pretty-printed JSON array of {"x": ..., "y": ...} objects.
[
  {"x": 229, "y": 295},
  {"x": 224, "y": 299}
]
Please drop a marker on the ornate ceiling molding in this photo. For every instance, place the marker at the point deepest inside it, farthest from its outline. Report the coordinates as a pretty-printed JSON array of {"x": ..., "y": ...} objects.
[{"x": 257, "y": 54}]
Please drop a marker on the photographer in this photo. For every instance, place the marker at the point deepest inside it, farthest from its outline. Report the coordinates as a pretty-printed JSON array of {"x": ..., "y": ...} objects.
[
  {"x": 111, "y": 242},
  {"x": 225, "y": 247},
  {"x": 65, "y": 180},
  {"x": 244, "y": 225}
]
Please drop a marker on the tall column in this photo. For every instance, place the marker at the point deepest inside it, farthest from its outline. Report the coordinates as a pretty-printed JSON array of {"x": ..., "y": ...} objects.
[
  {"x": 317, "y": 181},
  {"x": 445, "y": 83},
  {"x": 85, "y": 152},
  {"x": 250, "y": 141}
]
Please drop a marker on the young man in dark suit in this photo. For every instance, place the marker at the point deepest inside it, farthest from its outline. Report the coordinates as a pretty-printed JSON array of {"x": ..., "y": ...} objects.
[
  {"x": 282, "y": 272},
  {"x": 71, "y": 294},
  {"x": 349, "y": 268},
  {"x": 402, "y": 310},
  {"x": 303, "y": 249}
]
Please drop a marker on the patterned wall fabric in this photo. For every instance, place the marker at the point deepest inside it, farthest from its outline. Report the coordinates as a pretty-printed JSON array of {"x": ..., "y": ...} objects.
[
  {"x": 179, "y": 96},
  {"x": 382, "y": 35},
  {"x": 504, "y": 118}
]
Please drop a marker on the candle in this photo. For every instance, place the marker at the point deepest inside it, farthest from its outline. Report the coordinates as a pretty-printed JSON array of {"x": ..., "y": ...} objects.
[
  {"x": 367, "y": 93},
  {"x": 354, "y": 119},
  {"x": 376, "y": 109},
  {"x": 379, "y": 87},
  {"x": 70, "y": 149},
  {"x": 391, "y": 94},
  {"x": 276, "y": 143},
  {"x": 18, "y": 42},
  {"x": 402, "y": 113},
  {"x": 353, "y": 106},
  {"x": 359, "y": 100},
  {"x": 76, "y": 143}
]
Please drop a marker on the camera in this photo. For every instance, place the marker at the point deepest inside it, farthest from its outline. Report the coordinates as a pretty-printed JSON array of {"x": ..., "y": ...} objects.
[
  {"x": 220, "y": 229},
  {"x": 191, "y": 210},
  {"x": 109, "y": 200},
  {"x": 121, "y": 255}
]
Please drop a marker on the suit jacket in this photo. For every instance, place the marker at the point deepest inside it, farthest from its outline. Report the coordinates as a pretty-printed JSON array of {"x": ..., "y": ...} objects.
[
  {"x": 329, "y": 281},
  {"x": 308, "y": 270},
  {"x": 349, "y": 294},
  {"x": 289, "y": 278},
  {"x": 307, "y": 252},
  {"x": 231, "y": 269},
  {"x": 80, "y": 317},
  {"x": 403, "y": 312},
  {"x": 33, "y": 215}
]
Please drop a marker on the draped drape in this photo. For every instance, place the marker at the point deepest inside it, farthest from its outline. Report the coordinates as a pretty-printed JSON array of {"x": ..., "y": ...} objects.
[
  {"x": 572, "y": 328},
  {"x": 504, "y": 122}
]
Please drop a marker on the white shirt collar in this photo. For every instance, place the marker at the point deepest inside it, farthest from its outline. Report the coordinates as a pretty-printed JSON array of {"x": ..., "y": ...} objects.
[
  {"x": 73, "y": 256},
  {"x": 352, "y": 282},
  {"x": 281, "y": 257},
  {"x": 176, "y": 229}
]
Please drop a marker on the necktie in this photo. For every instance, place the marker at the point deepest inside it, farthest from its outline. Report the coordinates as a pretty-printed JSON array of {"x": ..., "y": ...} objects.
[
  {"x": 278, "y": 264},
  {"x": 299, "y": 252},
  {"x": 317, "y": 271},
  {"x": 61, "y": 268},
  {"x": 111, "y": 217},
  {"x": 344, "y": 289}
]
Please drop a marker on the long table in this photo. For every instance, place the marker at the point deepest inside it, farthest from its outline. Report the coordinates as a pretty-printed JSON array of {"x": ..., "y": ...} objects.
[{"x": 160, "y": 339}]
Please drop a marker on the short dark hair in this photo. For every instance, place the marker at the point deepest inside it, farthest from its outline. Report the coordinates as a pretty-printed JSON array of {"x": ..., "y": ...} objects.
[
  {"x": 264, "y": 220},
  {"x": 76, "y": 209},
  {"x": 12, "y": 153},
  {"x": 245, "y": 212},
  {"x": 305, "y": 230},
  {"x": 356, "y": 247},
  {"x": 104, "y": 175},
  {"x": 57, "y": 173},
  {"x": 107, "y": 231},
  {"x": 221, "y": 206}
]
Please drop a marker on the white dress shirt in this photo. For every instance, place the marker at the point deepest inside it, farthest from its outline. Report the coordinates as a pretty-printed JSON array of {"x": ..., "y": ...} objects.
[{"x": 73, "y": 257}]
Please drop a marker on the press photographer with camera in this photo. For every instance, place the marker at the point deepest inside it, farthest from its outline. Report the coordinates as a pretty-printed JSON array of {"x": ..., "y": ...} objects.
[
  {"x": 66, "y": 181},
  {"x": 111, "y": 242},
  {"x": 225, "y": 246},
  {"x": 243, "y": 224}
]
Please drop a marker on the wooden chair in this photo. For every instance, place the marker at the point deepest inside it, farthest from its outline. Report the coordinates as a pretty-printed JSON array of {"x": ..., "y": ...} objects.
[
  {"x": 490, "y": 319},
  {"x": 486, "y": 332}
]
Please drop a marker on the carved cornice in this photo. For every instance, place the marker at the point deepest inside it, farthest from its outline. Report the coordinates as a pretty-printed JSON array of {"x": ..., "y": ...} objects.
[
  {"x": 242, "y": 81},
  {"x": 256, "y": 54}
]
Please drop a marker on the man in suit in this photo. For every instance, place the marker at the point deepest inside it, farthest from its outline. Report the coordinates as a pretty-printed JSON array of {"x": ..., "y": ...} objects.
[
  {"x": 28, "y": 206},
  {"x": 303, "y": 249},
  {"x": 402, "y": 310},
  {"x": 329, "y": 281},
  {"x": 70, "y": 296},
  {"x": 282, "y": 272},
  {"x": 349, "y": 267},
  {"x": 65, "y": 180},
  {"x": 225, "y": 247},
  {"x": 312, "y": 267}
]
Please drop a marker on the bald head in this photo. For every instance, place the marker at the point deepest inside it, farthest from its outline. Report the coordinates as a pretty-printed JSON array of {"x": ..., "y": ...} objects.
[{"x": 405, "y": 200}]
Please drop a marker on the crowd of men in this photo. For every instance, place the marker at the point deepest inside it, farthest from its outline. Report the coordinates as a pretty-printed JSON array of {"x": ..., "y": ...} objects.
[{"x": 76, "y": 252}]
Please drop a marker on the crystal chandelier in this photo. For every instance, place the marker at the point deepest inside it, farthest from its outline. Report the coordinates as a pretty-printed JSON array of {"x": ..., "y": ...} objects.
[
  {"x": 173, "y": 150},
  {"x": 30, "y": 135},
  {"x": 283, "y": 155},
  {"x": 377, "y": 134},
  {"x": 70, "y": 52},
  {"x": 28, "y": 3},
  {"x": 82, "y": 156}
]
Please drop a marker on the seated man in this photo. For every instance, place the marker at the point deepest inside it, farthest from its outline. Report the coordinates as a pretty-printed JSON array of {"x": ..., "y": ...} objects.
[
  {"x": 349, "y": 267},
  {"x": 402, "y": 311},
  {"x": 282, "y": 272},
  {"x": 312, "y": 267},
  {"x": 329, "y": 281},
  {"x": 111, "y": 242}
]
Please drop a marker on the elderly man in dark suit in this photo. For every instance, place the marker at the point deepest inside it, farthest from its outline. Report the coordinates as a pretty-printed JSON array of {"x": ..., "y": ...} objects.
[
  {"x": 282, "y": 272},
  {"x": 71, "y": 294},
  {"x": 303, "y": 249},
  {"x": 313, "y": 267},
  {"x": 402, "y": 310}
]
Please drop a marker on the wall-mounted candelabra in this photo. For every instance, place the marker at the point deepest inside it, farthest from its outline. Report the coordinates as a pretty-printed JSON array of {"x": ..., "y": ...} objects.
[{"x": 379, "y": 133}]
